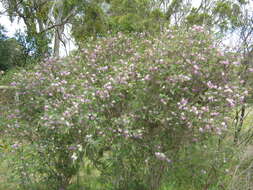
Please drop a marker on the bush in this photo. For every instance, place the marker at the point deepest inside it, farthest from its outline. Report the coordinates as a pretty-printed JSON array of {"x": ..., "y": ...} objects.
[{"x": 130, "y": 104}]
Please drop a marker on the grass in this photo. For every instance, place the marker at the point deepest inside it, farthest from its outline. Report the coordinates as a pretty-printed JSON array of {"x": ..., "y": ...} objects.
[
  {"x": 239, "y": 177},
  {"x": 5, "y": 184},
  {"x": 90, "y": 179}
]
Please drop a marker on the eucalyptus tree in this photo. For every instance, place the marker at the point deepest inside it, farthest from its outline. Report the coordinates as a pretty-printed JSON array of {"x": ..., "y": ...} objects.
[
  {"x": 34, "y": 14},
  {"x": 45, "y": 20},
  {"x": 219, "y": 14}
]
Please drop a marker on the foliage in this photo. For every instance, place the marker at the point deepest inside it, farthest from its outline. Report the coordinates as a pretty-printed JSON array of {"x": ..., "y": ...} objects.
[
  {"x": 134, "y": 16},
  {"x": 224, "y": 15},
  {"x": 11, "y": 53},
  {"x": 198, "y": 18},
  {"x": 92, "y": 23},
  {"x": 98, "y": 17}
]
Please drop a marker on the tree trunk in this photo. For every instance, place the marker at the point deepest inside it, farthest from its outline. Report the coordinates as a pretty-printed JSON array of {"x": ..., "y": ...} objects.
[
  {"x": 59, "y": 29},
  {"x": 57, "y": 40}
]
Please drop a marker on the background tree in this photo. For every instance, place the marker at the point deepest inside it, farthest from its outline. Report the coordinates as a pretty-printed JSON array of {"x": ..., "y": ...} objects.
[
  {"x": 34, "y": 15},
  {"x": 44, "y": 20},
  {"x": 11, "y": 52}
]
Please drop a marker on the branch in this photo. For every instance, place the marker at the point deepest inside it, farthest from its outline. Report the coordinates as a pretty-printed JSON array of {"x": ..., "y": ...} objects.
[
  {"x": 9, "y": 7},
  {"x": 65, "y": 21}
]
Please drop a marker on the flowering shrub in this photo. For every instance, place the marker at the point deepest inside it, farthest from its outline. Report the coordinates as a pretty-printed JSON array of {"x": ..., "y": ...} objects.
[{"x": 139, "y": 98}]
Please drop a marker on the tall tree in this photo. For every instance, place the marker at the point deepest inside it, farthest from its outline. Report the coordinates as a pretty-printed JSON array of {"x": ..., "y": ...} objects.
[
  {"x": 34, "y": 15},
  {"x": 45, "y": 20}
]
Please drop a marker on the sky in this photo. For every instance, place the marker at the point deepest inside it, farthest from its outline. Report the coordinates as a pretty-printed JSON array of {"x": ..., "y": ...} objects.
[{"x": 10, "y": 27}]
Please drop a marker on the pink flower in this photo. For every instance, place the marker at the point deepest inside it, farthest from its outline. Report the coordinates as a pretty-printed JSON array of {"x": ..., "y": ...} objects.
[
  {"x": 196, "y": 67},
  {"x": 182, "y": 103},
  {"x": 211, "y": 85},
  {"x": 162, "y": 156},
  {"x": 15, "y": 146},
  {"x": 225, "y": 62},
  {"x": 236, "y": 63},
  {"x": 205, "y": 108},
  {"x": 147, "y": 77},
  {"x": 250, "y": 69},
  {"x": 231, "y": 102},
  {"x": 214, "y": 114}
]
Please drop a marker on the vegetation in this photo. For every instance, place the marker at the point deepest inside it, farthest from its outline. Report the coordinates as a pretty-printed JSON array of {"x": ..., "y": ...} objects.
[{"x": 151, "y": 100}]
